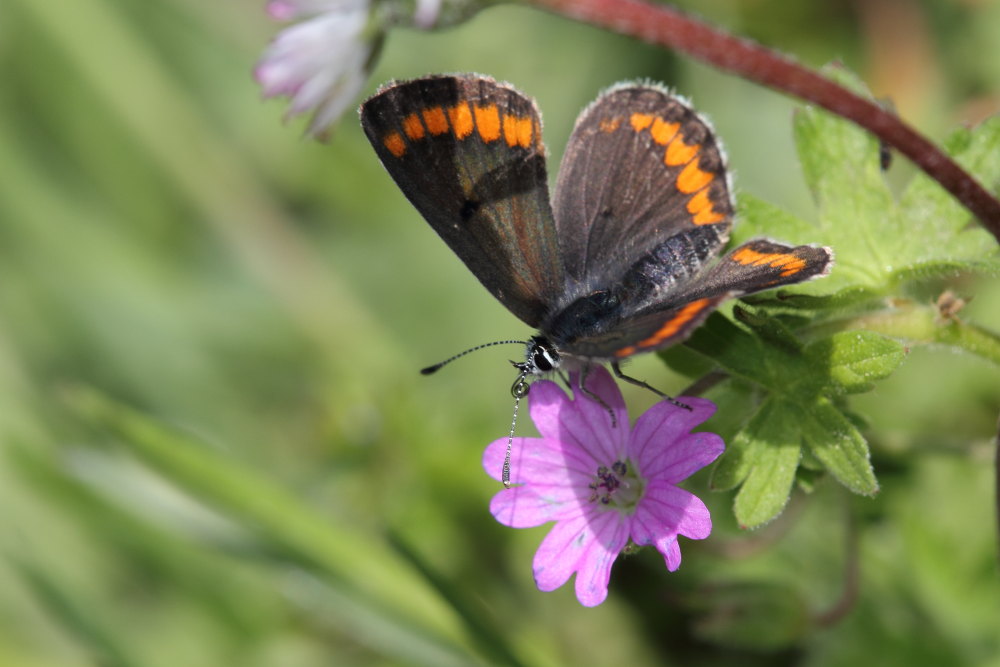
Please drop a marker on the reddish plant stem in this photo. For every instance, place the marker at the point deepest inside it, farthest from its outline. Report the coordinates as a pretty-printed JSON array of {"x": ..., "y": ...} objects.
[{"x": 667, "y": 27}]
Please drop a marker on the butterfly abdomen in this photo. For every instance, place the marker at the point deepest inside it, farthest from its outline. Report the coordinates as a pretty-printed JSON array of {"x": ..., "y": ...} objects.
[{"x": 669, "y": 265}]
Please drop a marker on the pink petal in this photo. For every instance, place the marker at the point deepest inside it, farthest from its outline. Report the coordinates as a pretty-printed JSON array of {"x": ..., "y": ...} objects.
[
  {"x": 560, "y": 551},
  {"x": 594, "y": 571},
  {"x": 588, "y": 425},
  {"x": 587, "y": 545},
  {"x": 666, "y": 511},
  {"x": 287, "y": 10},
  {"x": 539, "y": 461},
  {"x": 663, "y": 445},
  {"x": 680, "y": 459},
  {"x": 546, "y": 403},
  {"x": 281, "y": 10},
  {"x": 427, "y": 13},
  {"x": 529, "y": 506},
  {"x": 320, "y": 63},
  {"x": 554, "y": 486},
  {"x": 671, "y": 554}
]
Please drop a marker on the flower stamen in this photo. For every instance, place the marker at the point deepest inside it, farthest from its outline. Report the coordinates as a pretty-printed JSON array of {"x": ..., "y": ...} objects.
[{"x": 616, "y": 484}]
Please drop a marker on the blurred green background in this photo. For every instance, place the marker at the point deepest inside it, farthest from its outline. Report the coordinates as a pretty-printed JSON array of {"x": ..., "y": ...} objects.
[{"x": 214, "y": 444}]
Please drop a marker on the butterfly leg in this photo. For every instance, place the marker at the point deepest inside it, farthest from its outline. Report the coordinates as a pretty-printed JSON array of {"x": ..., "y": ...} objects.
[
  {"x": 639, "y": 383},
  {"x": 595, "y": 397},
  {"x": 566, "y": 379}
]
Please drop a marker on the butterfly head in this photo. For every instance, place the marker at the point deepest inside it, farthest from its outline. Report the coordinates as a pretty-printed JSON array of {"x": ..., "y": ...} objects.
[{"x": 540, "y": 357}]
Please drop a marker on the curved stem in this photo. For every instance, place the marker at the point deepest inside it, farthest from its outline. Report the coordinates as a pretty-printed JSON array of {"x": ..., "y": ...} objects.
[
  {"x": 668, "y": 27},
  {"x": 852, "y": 577},
  {"x": 704, "y": 383}
]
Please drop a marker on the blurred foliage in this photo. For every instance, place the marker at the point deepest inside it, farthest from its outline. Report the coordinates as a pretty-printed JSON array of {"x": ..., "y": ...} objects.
[{"x": 214, "y": 445}]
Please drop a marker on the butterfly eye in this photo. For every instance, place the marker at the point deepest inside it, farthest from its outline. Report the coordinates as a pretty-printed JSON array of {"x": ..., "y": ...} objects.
[
  {"x": 541, "y": 360},
  {"x": 543, "y": 356}
]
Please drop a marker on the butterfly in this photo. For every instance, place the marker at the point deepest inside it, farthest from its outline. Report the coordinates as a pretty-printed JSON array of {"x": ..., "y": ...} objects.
[{"x": 622, "y": 259}]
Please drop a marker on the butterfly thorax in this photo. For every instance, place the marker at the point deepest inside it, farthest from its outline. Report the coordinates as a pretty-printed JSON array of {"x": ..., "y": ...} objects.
[{"x": 586, "y": 316}]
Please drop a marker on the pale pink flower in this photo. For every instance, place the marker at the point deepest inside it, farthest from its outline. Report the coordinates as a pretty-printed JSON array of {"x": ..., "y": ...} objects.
[
  {"x": 602, "y": 484},
  {"x": 321, "y": 63}
]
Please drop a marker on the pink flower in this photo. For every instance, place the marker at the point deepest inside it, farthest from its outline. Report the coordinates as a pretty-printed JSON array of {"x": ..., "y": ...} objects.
[
  {"x": 603, "y": 485},
  {"x": 323, "y": 62}
]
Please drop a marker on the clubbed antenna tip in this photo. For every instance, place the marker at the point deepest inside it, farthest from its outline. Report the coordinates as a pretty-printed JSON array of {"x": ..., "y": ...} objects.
[{"x": 436, "y": 367}]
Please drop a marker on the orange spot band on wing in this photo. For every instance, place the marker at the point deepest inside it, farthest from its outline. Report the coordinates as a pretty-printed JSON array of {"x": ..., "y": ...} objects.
[
  {"x": 707, "y": 216},
  {"x": 395, "y": 144},
  {"x": 700, "y": 206},
  {"x": 413, "y": 127},
  {"x": 640, "y": 121},
  {"x": 435, "y": 120},
  {"x": 517, "y": 131},
  {"x": 488, "y": 122},
  {"x": 679, "y": 153},
  {"x": 663, "y": 132},
  {"x": 692, "y": 178},
  {"x": 460, "y": 116},
  {"x": 609, "y": 125},
  {"x": 790, "y": 264},
  {"x": 669, "y": 328}
]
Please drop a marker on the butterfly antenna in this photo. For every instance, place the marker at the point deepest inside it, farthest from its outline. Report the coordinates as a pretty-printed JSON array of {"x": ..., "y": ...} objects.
[
  {"x": 518, "y": 390},
  {"x": 436, "y": 367}
]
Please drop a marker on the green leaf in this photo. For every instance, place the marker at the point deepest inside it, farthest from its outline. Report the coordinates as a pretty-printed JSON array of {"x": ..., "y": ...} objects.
[
  {"x": 760, "y": 218},
  {"x": 731, "y": 347},
  {"x": 738, "y": 460},
  {"x": 397, "y": 603},
  {"x": 853, "y": 360},
  {"x": 877, "y": 240},
  {"x": 75, "y": 611},
  {"x": 215, "y": 585},
  {"x": 685, "y": 361},
  {"x": 840, "y": 163},
  {"x": 835, "y": 441},
  {"x": 849, "y": 298},
  {"x": 764, "y": 455},
  {"x": 938, "y": 222},
  {"x": 770, "y": 330},
  {"x": 774, "y": 439},
  {"x": 859, "y": 319},
  {"x": 923, "y": 324},
  {"x": 944, "y": 268}
]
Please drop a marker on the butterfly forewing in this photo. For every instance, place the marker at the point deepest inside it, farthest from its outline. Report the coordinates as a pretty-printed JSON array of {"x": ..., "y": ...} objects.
[
  {"x": 641, "y": 166},
  {"x": 468, "y": 153}
]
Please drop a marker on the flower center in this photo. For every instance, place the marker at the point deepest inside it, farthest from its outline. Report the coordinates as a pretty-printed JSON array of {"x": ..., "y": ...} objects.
[{"x": 618, "y": 486}]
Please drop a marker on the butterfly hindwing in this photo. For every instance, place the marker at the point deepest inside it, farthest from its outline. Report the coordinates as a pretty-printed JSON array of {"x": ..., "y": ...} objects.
[
  {"x": 672, "y": 309},
  {"x": 644, "y": 331},
  {"x": 468, "y": 153},
  {"x": 641, "y": 166}
]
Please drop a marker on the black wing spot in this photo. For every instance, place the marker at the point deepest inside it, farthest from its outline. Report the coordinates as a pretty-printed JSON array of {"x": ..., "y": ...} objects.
[{"x": 469, "y": 209}]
